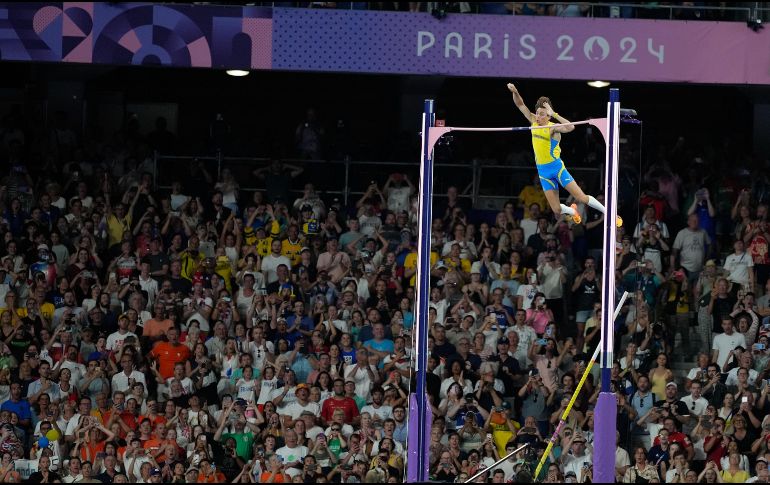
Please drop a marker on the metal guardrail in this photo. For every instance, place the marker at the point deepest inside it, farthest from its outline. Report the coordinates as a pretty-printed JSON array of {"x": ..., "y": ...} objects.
[{"x": 343, "y": 178}]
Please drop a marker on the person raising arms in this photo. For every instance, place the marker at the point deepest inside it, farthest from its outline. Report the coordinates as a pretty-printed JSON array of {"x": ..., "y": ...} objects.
[{"x": 550, "y": 168}]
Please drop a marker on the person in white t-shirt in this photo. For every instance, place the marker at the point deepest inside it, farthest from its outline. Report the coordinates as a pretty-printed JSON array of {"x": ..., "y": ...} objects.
[
  {"x": 526, "y": 293},
  {"x": 291, "y": 454},
  {"x": 302, "y": 404},
  {"x": 271, "y": 262},
  {"x": 246, "y": 386},
  {"x": 726, "y": 342},
  {"x": 397, "y": 190},
  {"x": 740, "y": 266}
]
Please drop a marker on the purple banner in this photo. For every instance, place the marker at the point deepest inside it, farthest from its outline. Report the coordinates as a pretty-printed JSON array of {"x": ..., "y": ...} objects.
[
  {"x": 521, "y": 46},
  {"x": 383, "y": 42},
  {"x": 133, "y": 33}
]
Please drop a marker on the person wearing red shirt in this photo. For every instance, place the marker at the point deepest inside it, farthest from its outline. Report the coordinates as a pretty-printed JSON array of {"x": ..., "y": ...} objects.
[
  {"x": 339, "y": 401},
  {"x": 675, "y": 436},
  {"x": 166, "y": 354},
  {"x": 715, "y": 444}
]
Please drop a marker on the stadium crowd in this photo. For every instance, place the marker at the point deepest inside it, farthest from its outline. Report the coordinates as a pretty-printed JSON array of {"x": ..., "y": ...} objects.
[{"x": 209, "y": 334}]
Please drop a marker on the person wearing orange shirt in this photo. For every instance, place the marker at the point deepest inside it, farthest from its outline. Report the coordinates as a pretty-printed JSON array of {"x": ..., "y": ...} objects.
[
  {"x": 275, "y": 473},
  {"x": 94, "y": 437},
  {"x": 166, "y": 354},
  {"x": 152, "y": 414},
  {"x": 209, "y": 474},
  {"x": 159, "y": 324}
]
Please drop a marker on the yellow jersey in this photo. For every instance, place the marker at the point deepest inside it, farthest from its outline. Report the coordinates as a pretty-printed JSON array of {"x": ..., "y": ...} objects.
[{"x": 546, "y": 149}]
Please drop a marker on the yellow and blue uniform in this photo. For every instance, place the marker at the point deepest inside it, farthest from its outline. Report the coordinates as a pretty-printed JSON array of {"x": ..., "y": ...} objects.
[{"x": 550, "y": 167}]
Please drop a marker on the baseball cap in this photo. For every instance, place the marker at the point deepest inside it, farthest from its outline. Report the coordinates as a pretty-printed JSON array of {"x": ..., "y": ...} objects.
[
  {"x": 503, "y": 340},
  {"x": 711, "y": 262},
  {"x": 305, "y": 248},
  {"x": 301, "y": 386},
  {"x": 441, "y": 265},
  {"x": 155, "y": 471},
  {"x": 672, "y": 383},
  {"x": 306, "y": 207},
  {"x": 43, "y": 246}
]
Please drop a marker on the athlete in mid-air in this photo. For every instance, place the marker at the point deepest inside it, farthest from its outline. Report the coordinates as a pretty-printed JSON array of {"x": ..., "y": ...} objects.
[{"x": 550, "y": 167}]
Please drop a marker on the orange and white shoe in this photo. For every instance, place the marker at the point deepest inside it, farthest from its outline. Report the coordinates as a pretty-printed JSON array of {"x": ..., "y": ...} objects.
[
  {"x": 576, "y": 216},
  {"x": 618, "y": 221}
]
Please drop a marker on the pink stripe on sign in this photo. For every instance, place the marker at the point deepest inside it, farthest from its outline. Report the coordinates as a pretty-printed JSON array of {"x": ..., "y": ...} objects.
[
  {"x": 261, "y": 33},
  {"x": 200, "y": 52},
  {"x": 130, "y": 41}
]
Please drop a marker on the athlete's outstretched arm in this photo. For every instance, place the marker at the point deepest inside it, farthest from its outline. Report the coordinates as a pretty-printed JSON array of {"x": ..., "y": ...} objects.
[
  {"x": 560, "y": 119},
  {"x": 519, "y": 102}
]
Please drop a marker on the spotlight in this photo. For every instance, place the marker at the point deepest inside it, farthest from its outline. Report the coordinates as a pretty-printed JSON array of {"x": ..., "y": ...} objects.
[
  {"x": 598, "y": 84},
  {"x": 755, "y": 24},
  {"x": 237, "y": 72}
]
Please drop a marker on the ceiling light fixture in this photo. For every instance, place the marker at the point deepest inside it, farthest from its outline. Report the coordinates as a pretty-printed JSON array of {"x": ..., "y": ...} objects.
[
  {"x": 237, "y": 72},
  {"x": 598, "y": 84}
]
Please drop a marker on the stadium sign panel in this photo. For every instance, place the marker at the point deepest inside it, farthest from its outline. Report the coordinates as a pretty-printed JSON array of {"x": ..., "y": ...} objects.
[{"x": 236, "y": 37}]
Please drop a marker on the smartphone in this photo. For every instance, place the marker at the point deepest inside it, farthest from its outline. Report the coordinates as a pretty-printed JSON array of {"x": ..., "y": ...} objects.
[
  {"x": 542, "y": 341},
  {"x": 548, "y": 332},
  {"x": 744, "y": 399},
  {"x": 760, "y": 346},
  {"x": 489, "y": 436},
  {"x": 586, "y": 465},
  {"x": 534, "y": 372}
]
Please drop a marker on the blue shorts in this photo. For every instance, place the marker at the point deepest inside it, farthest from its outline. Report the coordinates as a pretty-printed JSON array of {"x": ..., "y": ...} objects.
[{"x": 553, "y": 174}]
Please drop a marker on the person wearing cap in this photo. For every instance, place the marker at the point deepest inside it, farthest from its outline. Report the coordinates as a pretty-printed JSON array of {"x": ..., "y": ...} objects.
[
  {"x": 672, "y": 406},
  {"x": 294, "y": 410},
  {"x": 761, "y": 473},
  {"x": 578, "y": 459}
]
